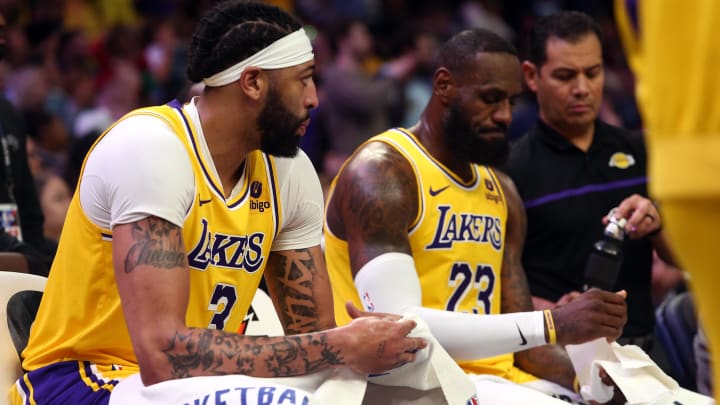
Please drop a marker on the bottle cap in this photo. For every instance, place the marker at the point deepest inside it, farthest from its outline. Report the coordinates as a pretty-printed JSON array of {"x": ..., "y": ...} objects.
[{"x": 615, "y": 227}]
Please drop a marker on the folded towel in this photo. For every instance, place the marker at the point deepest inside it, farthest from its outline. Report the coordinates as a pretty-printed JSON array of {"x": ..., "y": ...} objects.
[
  {"x": 434, "y": 377},
  {"x": 633, "y": 371}
]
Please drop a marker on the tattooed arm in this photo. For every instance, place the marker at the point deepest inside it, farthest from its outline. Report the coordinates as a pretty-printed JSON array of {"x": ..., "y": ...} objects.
[
  {"x": 299, "y": 284},
  {"x": 374, "y": 203},
  {"x": 591, "y": 315},
  {"x": 153, "y": 282},
  {"x": 550, "y": 361}
]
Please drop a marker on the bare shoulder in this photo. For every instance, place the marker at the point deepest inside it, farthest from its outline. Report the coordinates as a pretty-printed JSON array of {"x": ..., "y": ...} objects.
[{"x": 377, "y": 182}]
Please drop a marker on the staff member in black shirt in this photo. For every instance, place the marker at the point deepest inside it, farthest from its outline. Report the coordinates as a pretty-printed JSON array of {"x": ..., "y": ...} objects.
[{"x": 571, "y": 169}]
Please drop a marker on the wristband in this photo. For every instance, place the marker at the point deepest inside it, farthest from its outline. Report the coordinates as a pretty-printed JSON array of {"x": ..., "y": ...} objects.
[
  {"x": 550, "y": 326},
  {"x": 576, "y": 385}
]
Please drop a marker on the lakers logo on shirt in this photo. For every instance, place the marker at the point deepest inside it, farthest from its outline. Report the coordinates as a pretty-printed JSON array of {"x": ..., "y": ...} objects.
[
  {"x": 621, "y": 160},
  {"x": 237, "y": 252},
  {"x": 455, "y": 227}
]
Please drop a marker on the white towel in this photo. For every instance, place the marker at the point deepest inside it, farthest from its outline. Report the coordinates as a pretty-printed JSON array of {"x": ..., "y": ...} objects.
[
  {"x": 635, "y": 374},
  {"x": 338, "y": 386},
  {"x": 434, "y": 377}
]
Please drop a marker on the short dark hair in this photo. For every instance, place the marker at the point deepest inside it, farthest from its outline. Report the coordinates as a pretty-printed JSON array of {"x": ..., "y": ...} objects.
[
  {"x": 458, "y": 53},
  {"x": 231, "y": 32},
  {"x": 570, "y": 26}
]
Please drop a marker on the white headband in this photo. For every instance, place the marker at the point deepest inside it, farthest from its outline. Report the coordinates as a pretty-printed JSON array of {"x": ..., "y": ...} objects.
[{"x": 290, "y": 50}]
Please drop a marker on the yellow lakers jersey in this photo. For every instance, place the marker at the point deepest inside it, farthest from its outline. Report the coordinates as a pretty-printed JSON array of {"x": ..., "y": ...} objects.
[
  {"x": 227, "y": 243},
  {"x": 457, "y": 243},
  {"x": 671, "y": 47}
]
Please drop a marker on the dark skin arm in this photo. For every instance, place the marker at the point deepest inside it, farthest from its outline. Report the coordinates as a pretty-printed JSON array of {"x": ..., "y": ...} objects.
[
  {"x": 300, "y": 288},
  {"x": 154, "y": 283},
  {"x": 550, "y": 362},
  {"x": 374, "y": 204},
  {"x": 592, "y": 314}
]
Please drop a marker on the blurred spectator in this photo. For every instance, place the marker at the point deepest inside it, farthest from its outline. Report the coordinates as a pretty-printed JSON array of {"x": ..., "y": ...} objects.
[
  {"x": 51, "y": 139},
  {"x": 419, "y": 52},
  {"x": 18, "y": 197},
  {"x": 76, "y": 156},
  {"x": 165, "y": 58},
  {"x": 357, "y": 101},
  {"x": 55, "y": 198},
  {"x": 486, "y": 14},
  {"x": 119, "y": 95},
  {"x": 76, "y": 86},
  {"x": 28, "y": 88}
]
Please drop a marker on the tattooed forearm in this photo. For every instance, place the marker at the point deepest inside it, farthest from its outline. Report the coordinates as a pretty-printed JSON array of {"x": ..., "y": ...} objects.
[
  {"x": 214, "y": 352},
  {"x": 158, "y": 243},
  {"x": 295, "y": 272}
]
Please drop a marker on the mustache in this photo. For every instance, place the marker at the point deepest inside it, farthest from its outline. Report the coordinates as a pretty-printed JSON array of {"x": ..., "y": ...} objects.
[{"x": 498, "y": 128}]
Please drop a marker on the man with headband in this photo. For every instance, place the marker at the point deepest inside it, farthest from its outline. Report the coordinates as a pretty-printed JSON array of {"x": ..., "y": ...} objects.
[{"x": 179, "y": 212}]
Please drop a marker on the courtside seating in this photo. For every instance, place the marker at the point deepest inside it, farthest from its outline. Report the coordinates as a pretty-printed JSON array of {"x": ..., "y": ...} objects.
[{"x": 22, "y": 291}]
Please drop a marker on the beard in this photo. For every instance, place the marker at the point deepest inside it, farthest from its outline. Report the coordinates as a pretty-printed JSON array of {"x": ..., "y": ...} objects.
[
  {"x": 278, "y": 127},
  {"x": 469, "y": 144}
]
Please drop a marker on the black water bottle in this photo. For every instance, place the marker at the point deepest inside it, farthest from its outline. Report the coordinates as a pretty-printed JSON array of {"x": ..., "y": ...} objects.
[{"x": 606, "y": 256}]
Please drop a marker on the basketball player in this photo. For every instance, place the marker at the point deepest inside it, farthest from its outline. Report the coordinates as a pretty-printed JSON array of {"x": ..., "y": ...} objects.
[
  {"x": 179, "y": 212},
  {"x": 418, "y": 220},
  {"x": 671, "y": 48}
]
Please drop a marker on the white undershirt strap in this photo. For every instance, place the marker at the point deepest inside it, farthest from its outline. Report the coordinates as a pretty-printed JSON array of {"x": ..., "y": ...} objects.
[{"x": 389, "y": 283}]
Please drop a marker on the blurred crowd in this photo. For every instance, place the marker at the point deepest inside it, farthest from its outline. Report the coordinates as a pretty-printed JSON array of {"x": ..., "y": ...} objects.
[{"x": 75, "y": 66}]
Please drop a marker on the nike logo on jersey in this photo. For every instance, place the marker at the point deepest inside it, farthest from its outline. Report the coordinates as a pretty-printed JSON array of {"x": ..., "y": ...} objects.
[
  {"x": 438, "y": 191},
  {"x": 203, "y": 202},
  {"x": 523, "y": 341}
]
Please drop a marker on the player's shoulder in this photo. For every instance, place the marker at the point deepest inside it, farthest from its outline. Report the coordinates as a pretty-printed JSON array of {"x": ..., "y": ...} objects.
[{"x": 297, "y": 165}]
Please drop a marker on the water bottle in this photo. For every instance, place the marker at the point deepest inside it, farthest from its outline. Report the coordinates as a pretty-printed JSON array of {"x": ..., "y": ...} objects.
[{"x": 605, "y": 259}]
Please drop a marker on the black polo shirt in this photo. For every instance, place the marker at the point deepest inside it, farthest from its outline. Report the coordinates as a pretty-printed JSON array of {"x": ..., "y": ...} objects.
[{"x": 566, "y": 193}]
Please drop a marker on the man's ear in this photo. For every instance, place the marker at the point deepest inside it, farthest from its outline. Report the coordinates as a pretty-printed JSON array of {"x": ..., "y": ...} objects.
[
  {"x": 253, "y": 82},
  {"x": 443, "y": 85},
  {"x": 531, "y": 73}
]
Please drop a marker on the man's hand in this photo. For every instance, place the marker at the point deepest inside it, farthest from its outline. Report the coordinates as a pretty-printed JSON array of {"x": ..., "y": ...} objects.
[
  {"x": 567, "y": 298},
  {"x": 378, "y": 342},
  {"x": 592, "y": 314},
  {"x": 618, "y": 397},
  {"x": 641, "y": 214}
]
